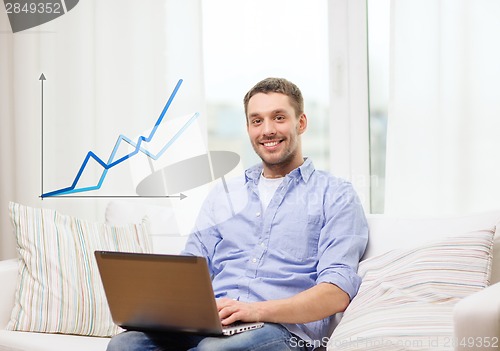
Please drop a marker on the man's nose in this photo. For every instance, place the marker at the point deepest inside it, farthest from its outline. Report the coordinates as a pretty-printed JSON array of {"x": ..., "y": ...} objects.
[{"x": 268, "y": 128}]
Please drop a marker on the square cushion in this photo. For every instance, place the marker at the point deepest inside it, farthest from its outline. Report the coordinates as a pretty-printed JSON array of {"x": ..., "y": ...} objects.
[
  {"x": 406, "y": 299},
  {"x": 59, "y": 287}
]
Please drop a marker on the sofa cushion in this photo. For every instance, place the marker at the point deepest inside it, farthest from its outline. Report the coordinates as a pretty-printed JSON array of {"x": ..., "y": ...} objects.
[
  {"x": 25, "y": 341},
  {"x": 59, "y": 287},
  {"x": 406, "y": 299},
  {"x": 389, "y": 232}
]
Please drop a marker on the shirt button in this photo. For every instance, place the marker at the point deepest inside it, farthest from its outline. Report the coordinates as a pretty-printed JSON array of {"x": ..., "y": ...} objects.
[
  {"x": 254, "y": 260},
  {"x": 258, "y": 214},
  {"x": 262, "y": 244}
]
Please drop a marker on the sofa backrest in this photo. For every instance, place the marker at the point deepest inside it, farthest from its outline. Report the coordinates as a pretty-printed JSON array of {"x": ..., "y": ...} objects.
[
  {"x": 165, "y": 234},
  {"x": 388, "y": 233}
]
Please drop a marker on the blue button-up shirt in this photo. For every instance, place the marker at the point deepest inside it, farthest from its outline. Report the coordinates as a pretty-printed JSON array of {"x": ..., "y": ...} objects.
[{"x": 314, "y": 230}]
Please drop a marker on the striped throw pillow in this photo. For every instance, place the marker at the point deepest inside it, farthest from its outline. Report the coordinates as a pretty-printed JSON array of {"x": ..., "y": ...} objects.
[
  {"x": 59, "y": 286},
  {"x": 406, "y": 299}
]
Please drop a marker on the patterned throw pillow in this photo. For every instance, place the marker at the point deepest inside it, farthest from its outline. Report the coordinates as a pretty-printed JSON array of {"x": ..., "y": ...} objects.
[
  {"x": 406, "y": 299},
  {"x": 59, "y": 286}
]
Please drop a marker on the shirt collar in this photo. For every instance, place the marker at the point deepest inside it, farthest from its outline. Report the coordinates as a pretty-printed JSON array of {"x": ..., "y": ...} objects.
[{"x": 303, "y": 172}]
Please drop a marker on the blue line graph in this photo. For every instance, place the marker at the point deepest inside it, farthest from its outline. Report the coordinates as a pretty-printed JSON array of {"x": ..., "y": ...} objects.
[{"x": 138, "y": 148}]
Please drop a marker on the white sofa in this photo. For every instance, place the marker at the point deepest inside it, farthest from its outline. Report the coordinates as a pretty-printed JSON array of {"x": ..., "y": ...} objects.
[{"x": 477, "y": 316}]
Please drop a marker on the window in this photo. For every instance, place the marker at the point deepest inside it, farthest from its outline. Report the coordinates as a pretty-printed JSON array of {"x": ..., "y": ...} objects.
[{"x": 246, "y": 41}]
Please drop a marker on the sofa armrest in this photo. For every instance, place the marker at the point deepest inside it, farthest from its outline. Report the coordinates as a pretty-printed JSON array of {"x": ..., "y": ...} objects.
[
  {"x": 8, "y": 282},
  {"x": 476, "y": 320}
]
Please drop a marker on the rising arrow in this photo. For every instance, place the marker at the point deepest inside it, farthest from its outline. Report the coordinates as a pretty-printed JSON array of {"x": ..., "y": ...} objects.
[{"x": 180, "y": 196}]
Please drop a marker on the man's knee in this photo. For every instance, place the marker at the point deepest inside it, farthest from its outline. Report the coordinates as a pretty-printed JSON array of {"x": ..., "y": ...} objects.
[
  {"x": 270, "y": 337},
  {"x": 127, "y": 341}
]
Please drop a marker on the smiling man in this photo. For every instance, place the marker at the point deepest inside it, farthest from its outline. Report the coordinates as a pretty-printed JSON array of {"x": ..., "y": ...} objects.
[
  {"x": 282, "y": 242},
  {"x": 274, "y": 127}
]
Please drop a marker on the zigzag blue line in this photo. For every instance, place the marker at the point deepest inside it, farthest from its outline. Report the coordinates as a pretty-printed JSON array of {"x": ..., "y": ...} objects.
[{"x": 111, "y": 163}]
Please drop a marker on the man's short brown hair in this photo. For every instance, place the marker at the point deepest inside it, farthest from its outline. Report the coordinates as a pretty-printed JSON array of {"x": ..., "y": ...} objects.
[{"x": 277, "y": 85}]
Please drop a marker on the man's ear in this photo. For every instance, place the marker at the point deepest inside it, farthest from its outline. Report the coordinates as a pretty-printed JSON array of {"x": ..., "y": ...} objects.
[{"x": 302, "y": 125}]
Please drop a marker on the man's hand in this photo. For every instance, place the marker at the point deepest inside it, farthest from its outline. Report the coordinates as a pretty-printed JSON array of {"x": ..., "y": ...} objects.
[
  {"x": 231, "y": 311},
  {"x": 313, "y": 304}
]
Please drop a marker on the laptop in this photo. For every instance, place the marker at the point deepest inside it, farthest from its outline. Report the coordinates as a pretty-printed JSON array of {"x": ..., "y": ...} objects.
[{"x": 153, "y": 292}]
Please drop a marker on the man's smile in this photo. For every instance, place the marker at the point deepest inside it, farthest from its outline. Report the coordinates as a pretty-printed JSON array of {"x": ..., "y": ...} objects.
[{"x": 271, "y": 144}]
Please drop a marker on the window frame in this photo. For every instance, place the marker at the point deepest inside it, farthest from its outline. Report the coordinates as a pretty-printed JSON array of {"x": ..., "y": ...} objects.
[{"x": 349, "y": 95}]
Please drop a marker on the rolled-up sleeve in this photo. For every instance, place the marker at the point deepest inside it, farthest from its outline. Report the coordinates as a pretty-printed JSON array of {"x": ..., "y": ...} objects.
[{"x": 343, "y": 239}]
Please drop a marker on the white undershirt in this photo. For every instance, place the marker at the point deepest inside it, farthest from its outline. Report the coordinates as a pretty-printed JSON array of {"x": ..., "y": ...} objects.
[{"x": 267, "y": 188}]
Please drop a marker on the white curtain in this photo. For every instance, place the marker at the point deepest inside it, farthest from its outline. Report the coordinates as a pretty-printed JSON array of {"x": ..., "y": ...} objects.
[
  {"x": 444, "y": 115},
  {"x": 109, "y": 65}
]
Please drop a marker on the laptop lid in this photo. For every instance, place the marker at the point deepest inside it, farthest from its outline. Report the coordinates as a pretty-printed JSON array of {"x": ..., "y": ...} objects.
[{"x": 159, "y": 292}]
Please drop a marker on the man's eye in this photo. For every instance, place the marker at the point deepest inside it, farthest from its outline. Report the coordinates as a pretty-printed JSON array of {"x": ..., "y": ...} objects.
[
  {"x": 280, "y": 118},
  {"x": 256, "y": 121}
]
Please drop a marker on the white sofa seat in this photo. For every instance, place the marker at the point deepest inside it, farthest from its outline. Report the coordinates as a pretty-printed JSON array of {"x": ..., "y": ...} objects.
[{"x": 17, "y": 341}]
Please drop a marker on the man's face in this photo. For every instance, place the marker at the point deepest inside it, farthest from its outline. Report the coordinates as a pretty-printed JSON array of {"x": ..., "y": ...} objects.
[{"x": 274, "y": 130}]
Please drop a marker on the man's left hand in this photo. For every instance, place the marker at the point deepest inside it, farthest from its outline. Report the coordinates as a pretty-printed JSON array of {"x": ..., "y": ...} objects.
[{"x": 231, "y": 311}]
